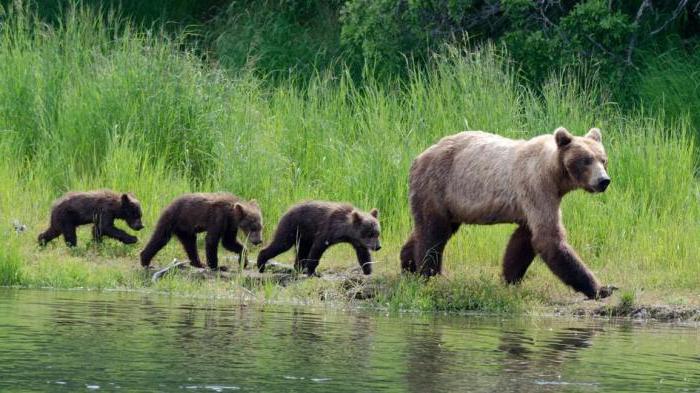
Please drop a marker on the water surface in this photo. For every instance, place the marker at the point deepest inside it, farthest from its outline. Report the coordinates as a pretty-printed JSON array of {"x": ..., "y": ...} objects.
[{"x": 84, "y": 341}]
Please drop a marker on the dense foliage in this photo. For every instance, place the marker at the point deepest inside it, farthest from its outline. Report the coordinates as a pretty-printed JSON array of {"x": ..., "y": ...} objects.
[
  {"x": 540, "y": 35},
  {"x": 645, "y": 52}
]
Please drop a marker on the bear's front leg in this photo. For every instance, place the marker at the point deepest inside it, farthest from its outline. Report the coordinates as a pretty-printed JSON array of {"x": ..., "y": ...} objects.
[
  {"x": 211, "y": 244},
  {"x": 364, "y": 258},
  {"x": 106, "y": 227},
  {"x": 563, "y": 261},
  {"x": 230, "y": 243}
]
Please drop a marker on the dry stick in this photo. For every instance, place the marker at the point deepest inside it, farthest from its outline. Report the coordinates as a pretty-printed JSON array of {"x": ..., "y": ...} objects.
[
  {"x": 633, "y": 40},
  {"x": 676, "y": 13}
]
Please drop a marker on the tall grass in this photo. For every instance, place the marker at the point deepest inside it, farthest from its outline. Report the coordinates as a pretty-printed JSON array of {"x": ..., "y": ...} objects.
[
  {"x": 670, "y": 84},
  {"x": 95, "y": 103}
]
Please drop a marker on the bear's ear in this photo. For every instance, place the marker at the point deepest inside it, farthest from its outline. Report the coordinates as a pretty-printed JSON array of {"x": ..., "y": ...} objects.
[
  {"x": 238, "y": 209},
  {"x": 126, "y": 200},
  {"x": 594, "y": 133},
  {"x": 562, "y": 136},
  {"x": 374, "y": 213},
  {"x": 356, "y": 217}
]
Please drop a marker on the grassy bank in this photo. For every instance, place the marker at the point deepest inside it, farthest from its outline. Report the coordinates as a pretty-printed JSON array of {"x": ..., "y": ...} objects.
[{"x": 96, "y": 104}]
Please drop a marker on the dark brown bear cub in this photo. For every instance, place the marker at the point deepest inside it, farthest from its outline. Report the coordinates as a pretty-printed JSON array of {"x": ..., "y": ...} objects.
[
  {"x": 100, "y": 208},
  {"x": 220, "y": 215},
  {"x": 314, "y": 226}
]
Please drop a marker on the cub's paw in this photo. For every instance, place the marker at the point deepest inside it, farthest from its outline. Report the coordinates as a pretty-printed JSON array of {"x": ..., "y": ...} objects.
[
  {"x": 220, "y": 269},
  {"x": 131, "y": 240}
]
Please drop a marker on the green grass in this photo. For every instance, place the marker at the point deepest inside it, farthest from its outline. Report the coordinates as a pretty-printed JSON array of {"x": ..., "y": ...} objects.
[
  {"x": 95, "y": 103},
  {"x": 670, "y": 85}
]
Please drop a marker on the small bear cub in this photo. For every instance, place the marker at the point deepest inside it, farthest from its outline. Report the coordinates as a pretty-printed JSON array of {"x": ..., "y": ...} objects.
[
  {"x": 314, "y": 226},
  {"x": 100, "y": 208},
  {"x": 220, "y": 215}
]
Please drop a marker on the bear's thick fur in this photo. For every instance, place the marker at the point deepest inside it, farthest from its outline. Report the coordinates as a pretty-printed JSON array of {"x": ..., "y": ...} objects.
[
  {"x": 481, "y": 178},
  {"x": 100, "y": 208},
  {"x": 314, "y": 226},
  {"x": 220, "y": 215}
]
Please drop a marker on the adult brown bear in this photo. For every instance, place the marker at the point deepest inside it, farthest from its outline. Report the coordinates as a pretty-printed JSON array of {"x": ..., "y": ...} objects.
[{"x": 480, "y": 178}]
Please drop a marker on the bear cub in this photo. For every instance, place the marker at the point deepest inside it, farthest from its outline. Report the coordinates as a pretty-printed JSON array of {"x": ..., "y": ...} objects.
[
  {"x": 316, "y": 225},
  {"x": 220, "y": 215},
  {"x": 99, "y": 208}
]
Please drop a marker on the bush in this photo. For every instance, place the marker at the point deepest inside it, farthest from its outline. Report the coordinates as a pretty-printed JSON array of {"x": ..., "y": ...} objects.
[
  {"x": 277, "y": 38},
  {"x": 542, "y": 36}
]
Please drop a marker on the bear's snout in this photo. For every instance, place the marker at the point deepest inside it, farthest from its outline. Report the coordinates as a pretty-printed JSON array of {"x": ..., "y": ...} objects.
[
  {"x": 136, "y": 225},
  {"x": 603, "y": 184}
]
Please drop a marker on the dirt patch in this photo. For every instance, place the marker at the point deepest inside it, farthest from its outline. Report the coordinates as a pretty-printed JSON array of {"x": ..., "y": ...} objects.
[
  {"x": 663, "y": 313},
  {"x": 352, "y": 283}
]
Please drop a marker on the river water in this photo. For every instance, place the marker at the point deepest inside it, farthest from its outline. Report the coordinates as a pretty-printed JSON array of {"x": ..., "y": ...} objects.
[{"x": 110, "y": 341}]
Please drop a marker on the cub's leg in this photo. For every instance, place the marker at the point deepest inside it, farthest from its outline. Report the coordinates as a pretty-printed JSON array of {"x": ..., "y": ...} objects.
[{"x": 189, "y": 243}]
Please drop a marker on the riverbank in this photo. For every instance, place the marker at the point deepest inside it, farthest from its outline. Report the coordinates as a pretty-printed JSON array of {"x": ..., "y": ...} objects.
[{"x": 341, "y": 285}]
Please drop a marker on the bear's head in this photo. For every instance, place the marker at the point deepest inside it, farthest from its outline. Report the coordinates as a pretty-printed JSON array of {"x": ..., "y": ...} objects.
[
  {"x": 365, "y": 228},
  {"x": 131, "y": 211},
  {"x": 250, "y": 220},
  {"x": 583, "y": 159}
]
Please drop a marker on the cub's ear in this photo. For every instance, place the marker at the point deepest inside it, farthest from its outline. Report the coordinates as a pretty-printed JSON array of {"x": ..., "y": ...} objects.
[
  {"x": 374, "y": 213},
  {"x": 126, "y": 200},
  {"x": 356, "y": 217},
  {"x": 594, "y": 133},
  {"x": 562, "y": 136},
  {"x": 238, "y": 209}
]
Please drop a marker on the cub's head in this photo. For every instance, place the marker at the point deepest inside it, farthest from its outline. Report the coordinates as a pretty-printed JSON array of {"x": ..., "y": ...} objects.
[
  {"x": 584, "y": 159},
  {"x": 250, "y": 220},
  {"x": 131, "y": 211},
  {"x": 365, "y": 228}
]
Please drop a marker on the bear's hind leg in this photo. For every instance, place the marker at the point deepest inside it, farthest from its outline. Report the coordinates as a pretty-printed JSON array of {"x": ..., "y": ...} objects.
[
  {"x": 189, "y": 243},
  {"x": 302, "y": 255},
  {"x": 408, "y": 263},
  {"x": 283, "y": 240},
  {"x": 518, "y": 256},
  {"x": 317, "y": 249},
  {"x": 431, "y": 239},
  {"x": 159, "y": 239},
  {"x": 96, "y": 234}
]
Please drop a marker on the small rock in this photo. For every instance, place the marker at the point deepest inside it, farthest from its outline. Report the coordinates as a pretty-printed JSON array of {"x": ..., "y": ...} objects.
[{"x": 18, "y": 226}]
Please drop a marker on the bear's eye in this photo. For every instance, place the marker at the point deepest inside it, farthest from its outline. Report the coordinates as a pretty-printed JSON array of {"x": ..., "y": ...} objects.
[
  {"x": 586, "y": 161},
  {"x": 370, "y": 233}
]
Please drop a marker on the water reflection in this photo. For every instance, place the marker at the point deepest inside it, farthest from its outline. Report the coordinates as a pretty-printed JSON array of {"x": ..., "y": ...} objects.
[
  {"x": 525, "y": 359},
  {"x": 71, "y": 340}
]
